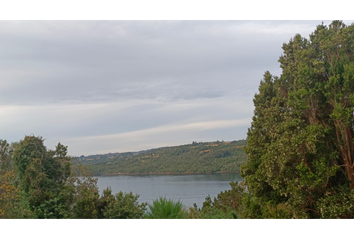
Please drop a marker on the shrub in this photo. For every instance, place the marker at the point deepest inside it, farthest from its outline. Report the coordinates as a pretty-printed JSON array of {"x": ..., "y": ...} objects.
[
  {"x": 163, "y": 208},
  {"x": 124, "y": 206}
]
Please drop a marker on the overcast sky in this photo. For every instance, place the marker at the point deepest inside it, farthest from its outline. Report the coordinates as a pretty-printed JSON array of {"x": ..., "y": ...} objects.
[{"x": 116, "y": 86}]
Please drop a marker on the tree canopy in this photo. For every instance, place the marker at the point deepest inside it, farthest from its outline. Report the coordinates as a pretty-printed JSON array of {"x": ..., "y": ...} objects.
[
  {"x": 39, "y": 183},
  {"x": 300, "y": 144}
]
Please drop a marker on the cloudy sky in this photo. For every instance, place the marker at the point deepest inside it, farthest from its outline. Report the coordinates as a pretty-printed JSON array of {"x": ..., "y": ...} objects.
[{"x": 115, "y": 86}]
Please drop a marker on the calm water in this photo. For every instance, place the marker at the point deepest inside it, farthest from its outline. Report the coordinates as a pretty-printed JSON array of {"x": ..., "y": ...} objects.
[{"x": 187, "y": 188}]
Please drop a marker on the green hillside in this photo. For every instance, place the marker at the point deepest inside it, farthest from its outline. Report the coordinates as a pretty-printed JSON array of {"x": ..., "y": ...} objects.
[{"x": 195, "y": 158}]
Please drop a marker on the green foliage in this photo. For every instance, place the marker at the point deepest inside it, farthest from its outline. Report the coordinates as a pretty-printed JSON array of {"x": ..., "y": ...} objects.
[
  {"x": 42, "y": 173},
  {"x": 13, "y": 204},
  {"x": 300, "y": 145},
  {"x": 211, "y": 213},
  {"x": 40, "y": 183},
  {"x": 43, "y": 181},
  {"x": 122, "y": 206},
  {"x": 252, "y": 206},
  {"x": 227, "y": 205},
  {"x": 86, "y": 204},
  {"x": 192, "y": 212},
  {"x": 230, "y": 199},
  {"x": 163, "y": 208},
  {"x": 279, "y": 211},
  {"x": 5, "y": 156},
  {"x": 85, "y": 189},
  {"x": 106, "y": 199},
  {"x": 54, "y": 208}
]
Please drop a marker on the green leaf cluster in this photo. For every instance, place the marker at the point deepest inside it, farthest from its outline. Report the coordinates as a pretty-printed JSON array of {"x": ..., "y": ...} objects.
[{"x": 122, "y": 205}]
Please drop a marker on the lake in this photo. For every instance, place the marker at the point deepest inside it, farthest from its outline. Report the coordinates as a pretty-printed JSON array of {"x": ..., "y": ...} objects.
[{"x": 187, "y": 188}]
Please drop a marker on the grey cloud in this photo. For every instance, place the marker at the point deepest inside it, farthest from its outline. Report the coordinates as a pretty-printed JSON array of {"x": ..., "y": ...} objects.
[{"x": 70, "y": 80}]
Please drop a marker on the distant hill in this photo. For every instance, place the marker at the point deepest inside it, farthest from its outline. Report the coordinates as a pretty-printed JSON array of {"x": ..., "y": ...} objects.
[
  {"x": 195, "y": 158},
  {"x": 103, "y": 158}
]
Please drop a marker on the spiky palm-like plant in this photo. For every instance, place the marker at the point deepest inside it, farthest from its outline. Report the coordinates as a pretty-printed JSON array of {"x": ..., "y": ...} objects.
[{"x": 163, "y": 208}]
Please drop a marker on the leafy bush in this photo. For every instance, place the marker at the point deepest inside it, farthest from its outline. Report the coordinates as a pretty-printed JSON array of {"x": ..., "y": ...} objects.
[
  {"x": 214, "y": 213},
  {"x": 123, "y": 206},
  {"x": 86, "y": 204},
  {"x": 13, "y": 203}
]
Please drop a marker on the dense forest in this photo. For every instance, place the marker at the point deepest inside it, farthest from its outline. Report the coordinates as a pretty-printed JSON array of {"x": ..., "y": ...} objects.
[
  {"x": 195, "y": 158},
  {"x": 300, "y": 152}
]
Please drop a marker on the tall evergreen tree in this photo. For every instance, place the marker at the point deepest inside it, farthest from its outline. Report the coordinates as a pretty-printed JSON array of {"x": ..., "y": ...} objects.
[{"x": 300, "y": 145}]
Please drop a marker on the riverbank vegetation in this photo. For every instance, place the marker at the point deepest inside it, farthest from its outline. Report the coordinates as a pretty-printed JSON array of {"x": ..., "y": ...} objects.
[{"x": 300, "y": 152}]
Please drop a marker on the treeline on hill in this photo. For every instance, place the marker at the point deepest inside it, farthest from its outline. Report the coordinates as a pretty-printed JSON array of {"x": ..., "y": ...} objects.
[{"x": 195, "y": 158}]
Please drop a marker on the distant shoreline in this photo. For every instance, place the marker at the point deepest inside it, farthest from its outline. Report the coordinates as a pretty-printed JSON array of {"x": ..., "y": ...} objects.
[{"x": 164, "y": 173}]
